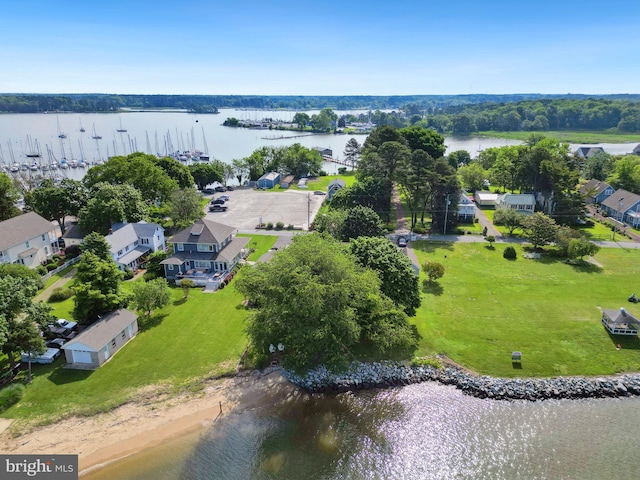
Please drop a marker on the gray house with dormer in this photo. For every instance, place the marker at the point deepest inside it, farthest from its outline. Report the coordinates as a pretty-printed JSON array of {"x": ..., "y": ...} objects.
[
  {"x": 596, "y": 191},
  {"x": 205, "y": 253}
]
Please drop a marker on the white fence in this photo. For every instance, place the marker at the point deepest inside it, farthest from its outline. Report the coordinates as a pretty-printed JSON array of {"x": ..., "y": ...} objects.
[{"x": 60, "y": 268}]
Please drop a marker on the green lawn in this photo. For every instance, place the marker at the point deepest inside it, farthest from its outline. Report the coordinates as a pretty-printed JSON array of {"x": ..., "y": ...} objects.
[
  {"x": 183, "y": 342},
  {"x": 577, "y": 136},
  {"x": 487, "y": 307},
  {"x": 260, "y": 244}
]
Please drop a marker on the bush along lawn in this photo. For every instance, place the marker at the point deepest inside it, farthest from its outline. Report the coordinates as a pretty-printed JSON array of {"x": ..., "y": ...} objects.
[{"x": 485, "y": 307}]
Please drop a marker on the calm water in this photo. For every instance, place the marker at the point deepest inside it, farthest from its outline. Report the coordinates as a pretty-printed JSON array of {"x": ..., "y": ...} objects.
[{"x": 425, "y": 431}]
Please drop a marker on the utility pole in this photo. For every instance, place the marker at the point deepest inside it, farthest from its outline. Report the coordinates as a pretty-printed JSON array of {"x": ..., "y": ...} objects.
[{"x": 446, "y": 214}]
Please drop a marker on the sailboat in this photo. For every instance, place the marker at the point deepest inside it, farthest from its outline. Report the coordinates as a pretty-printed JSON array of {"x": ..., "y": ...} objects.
[
  {"x": 60, "y": 134},
  {"x": 95, "y": 135},
  {"x": 121, "y": 130},
  {"x": 81, "y": 127}
]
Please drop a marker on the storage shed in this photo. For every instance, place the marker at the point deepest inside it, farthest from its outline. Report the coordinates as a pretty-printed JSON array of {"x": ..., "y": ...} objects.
[
  {"x": 269, "y": 180},
  {"x": 95, "y": 345}
]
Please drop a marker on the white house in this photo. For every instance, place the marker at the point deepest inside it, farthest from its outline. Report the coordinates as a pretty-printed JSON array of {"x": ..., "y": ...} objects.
[
  {"x": 132, "y": 240},
  {"x": 466, "y": 208},
  {"x": 28, "y": 239},
  {"x": 523, "y": 202},
  {"x": 98, "y": 342}
]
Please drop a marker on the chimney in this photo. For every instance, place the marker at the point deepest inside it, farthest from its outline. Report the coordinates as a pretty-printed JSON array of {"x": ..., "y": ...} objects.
[{"x": 623, "y": 311}]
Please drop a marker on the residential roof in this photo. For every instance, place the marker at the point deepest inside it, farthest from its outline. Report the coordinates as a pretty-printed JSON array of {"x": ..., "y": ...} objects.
[
  {"x": 121, "y": 238},
  {"x": 587, "y": 152},
  {"x": 517, "y": 198},
  {"x": 628, "y": 200},
  {"x": 486, "y": 196},
  {"x": 621, "y": 316},
  {"x": 24, "y": 227},
  {"x": 594, "y": 185},
  {"x": 133, "y": 254},
  {"x": 637, "y": 149},
  {"x": 226, "y": 255},
  {"x": 73, "y": 231},
  {"x": 269, "y": 176},
  {"x": 213, "y": 232},
  {"x": 144, "y": 229},
  {"x": 338, "y": 182},
  {"x": 98, "y": 334}
]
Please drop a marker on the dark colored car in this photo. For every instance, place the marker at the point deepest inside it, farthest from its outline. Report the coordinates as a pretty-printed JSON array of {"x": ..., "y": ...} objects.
[
  {"x": 56, "y": 343},
  {"x": 217, "y": 208},
  {"x": 217, "y": 201},
  {"x": 402, "y": 242},
  {"x": 220, "y": 188},
  {"x": 229, "y": 188}
]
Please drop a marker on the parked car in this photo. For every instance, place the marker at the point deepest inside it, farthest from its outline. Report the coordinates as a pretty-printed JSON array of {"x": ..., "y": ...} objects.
[
  {"x": 402, "y": 242},
  {"x": 208, "y": 190},
  {"x": 56, "y": 343},
  {"x": 229, "y": 188},
  {"x": 64, "y": 323},
  {"x": 223, "y": 197},
  {"x": 220, "y": 188},
  {"x": 217, "y": 208},
  {"x": 217, "y": 201},
  {"x": 47, "y": 357}
]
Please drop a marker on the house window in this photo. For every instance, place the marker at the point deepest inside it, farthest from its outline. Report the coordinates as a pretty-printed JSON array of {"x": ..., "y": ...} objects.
[
  {"x": 170, "y": 267},
  {"x": 27, "y": 243},
  {"x": 113, "y": 343},
  {"x": 119, "y": 252},
  {"x": 124, "y": 335},
  {"x": 46, "y": 250},
  {"x": 43, "y": 237},
  {"x": 180, "y": 247}
]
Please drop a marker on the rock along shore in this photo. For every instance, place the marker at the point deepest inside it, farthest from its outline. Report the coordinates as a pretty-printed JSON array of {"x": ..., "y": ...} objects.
[{"x": 391, "y": 374}]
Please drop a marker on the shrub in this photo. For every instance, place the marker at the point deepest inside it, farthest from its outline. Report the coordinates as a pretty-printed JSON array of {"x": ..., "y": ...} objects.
[
  {"x": 419, "y": 229},
  {"x": 510, "y": 253},
  {"x": 56, "y": 257},
  {"x": 149, "y": 276},
  {"x": 10, "y": 395},
  {"x": 128, "y": 274},
  {"x": 41, "y": 269},
  {"x": 72, "y": 251},
  {"x": 270, "y": 226},
  {"x": 51, "y": 266},
  {"x": 426, "y": 362},
  {"x": 342, "y": 170},
  {"x": 279, "y": 226},
  {"x": 289, "y": 227},
  {"x": 60, "y": 295}
]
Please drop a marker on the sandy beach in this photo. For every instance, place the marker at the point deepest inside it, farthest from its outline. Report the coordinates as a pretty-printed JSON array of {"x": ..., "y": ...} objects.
[{"x": 135, "y": 426}]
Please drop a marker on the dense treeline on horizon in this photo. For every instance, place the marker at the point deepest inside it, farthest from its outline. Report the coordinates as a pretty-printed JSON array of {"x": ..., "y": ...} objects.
[{"x": 450, "y": 114}]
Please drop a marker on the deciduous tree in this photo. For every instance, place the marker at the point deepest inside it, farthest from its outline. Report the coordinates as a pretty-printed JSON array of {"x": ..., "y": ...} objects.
[
  {"x": 8, "y": 197},
  {"x": 361, "y": 222},
  {"x": 185, "y": 206},
  {"x": 110, "y": 204},
  {"x": 540, "y": 229},
  {"x": 314, "y": 299},
  {"x": 399, "y": 280},
  {"x": 148, "y": 296}
]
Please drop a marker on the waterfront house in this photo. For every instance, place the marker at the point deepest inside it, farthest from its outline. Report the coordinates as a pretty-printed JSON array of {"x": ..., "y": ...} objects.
[
  {"x": 620, "y": 322},
  {"x": 101, "y": 340},
  {"x": 129, "y": 242},
  {"x": 269, "y": 180},
  {"x": 205, "y": 253},
  {"x": 623, "y": 206},
  {"x": 334, "y": 186},
  {"x": 324, "y": 152},
  {"x": 522, "y": 202},
  {"x": 28, "y": 239},
  {"x": 596, "y": 191}
]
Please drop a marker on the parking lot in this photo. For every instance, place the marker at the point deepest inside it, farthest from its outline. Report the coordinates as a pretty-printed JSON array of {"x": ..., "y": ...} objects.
[{"x": 246, "y": 207}]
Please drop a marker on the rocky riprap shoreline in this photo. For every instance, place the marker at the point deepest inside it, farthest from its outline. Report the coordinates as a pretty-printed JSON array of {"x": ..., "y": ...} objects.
[{"x": 363, "y": 376}]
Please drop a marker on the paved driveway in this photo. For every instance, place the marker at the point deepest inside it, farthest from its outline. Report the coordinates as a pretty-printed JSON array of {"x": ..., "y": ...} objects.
[{"x": 248, "y": 206}]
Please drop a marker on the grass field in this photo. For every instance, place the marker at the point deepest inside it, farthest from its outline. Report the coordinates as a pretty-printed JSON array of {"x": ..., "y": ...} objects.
[
  {"x": 570, "y": 136},
  {"x": 486, "y": 307}
]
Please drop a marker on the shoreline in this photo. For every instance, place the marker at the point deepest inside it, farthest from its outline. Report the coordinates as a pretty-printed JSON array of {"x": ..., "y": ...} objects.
[{"x": 131, "y": 428}]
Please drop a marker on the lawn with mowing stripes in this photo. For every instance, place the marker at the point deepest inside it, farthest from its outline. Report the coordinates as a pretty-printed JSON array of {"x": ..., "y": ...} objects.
[{"x": 486, "y": 307}]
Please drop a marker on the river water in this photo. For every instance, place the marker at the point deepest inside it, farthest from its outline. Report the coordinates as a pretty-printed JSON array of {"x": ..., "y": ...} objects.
[
  {"x": 423, "y": 431},
  {"x": 163, "y": 132}
]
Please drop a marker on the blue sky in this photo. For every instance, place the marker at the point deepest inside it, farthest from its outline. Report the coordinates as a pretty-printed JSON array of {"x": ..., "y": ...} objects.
[{"x": 320, "y": 47}]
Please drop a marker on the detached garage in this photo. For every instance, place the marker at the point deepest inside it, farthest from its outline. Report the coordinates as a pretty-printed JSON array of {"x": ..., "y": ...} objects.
[{"x": 95, "y": 345}]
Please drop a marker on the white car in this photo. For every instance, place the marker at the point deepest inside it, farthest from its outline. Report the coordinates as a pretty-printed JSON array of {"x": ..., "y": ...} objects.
[
  {"x": 47, "y": 357},
  {"x": 64, "y": 323}
]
